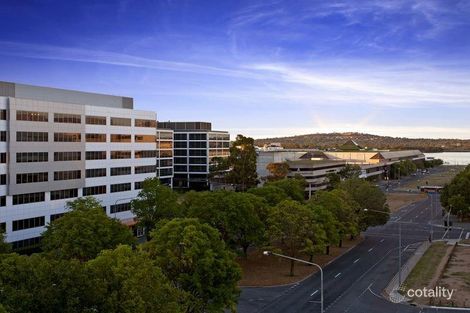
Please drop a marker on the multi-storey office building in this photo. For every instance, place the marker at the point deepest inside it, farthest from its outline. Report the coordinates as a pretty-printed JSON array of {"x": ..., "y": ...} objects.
[
  {"x": 165, "y": 156},
  {"x": 195, "y": 145},
  {"x": 61, "y": 144}
]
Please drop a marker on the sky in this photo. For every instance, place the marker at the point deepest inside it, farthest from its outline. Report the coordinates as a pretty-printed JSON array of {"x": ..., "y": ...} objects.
[{"x": 260, "y": 68}]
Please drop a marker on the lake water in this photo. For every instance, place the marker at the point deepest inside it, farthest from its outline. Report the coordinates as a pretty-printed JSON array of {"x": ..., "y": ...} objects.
[{"x": 451, "y": 158}]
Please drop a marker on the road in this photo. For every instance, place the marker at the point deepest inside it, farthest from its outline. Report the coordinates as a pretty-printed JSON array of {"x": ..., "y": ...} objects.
[{"x": 354, "y": 282}]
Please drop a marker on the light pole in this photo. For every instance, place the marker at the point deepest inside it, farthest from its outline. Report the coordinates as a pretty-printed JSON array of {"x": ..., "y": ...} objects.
[
  {"x": 306, "y": 262},
  {"x": 399, "y": 243}
]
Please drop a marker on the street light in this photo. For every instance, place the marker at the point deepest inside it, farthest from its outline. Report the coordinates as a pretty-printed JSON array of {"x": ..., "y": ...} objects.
[
  {"x": 399, "y": 243},
  {"x": 267, "y": 253}
]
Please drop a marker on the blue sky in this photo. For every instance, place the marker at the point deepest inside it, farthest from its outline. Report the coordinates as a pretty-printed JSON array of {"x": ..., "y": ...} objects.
[{"x": 261, "y": 68}]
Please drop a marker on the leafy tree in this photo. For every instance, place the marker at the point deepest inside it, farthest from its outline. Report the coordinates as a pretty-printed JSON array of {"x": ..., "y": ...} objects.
[
  {"x": 4, "y": 246},
  {"x": 290, "y": 224},
  {"x": 84, "y": 231},
  {"x": 343, "y": 207},
  {"x": 459, "y": 206},
  {"x": 402, "y": 168},
  {"x": 272, "y": 194},
  {"x": 154, "y": 203},
  {"x": 37, "y": 284},
  {"x": 277, "y": 170},
  {"x": 237, "y": 216},
  {"x": 242, "y": 160},
  {"x": 293, "y": 187},
  {"x": 456, "y": 194},
  {"x": 129, "y": 281},
  {"x": 329, "y": 224},
  {"x": 369, "y": 197},
  {"x": 350, "y": 171},
  {"x": 192, "y": 255}
]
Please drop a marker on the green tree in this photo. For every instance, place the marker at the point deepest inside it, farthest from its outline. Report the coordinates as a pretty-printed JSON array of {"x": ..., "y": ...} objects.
[
  {"x": 123, "y": 280},
  {"x": 459, "y": 206},
  {"x": 84, "y": 231},
  {"x": 4, "y": 246},
  {"x": 237, "y": 216},
  {"x": 328, "y": 222},
  {"x": 290, "y": 225},
  {"x": 456, "y": 194},
  {"x": 402, "y": 168},
  {"x": 277, "y": 170},
  {"x": 368, "y": 197},
  {"x": 242, "y": 160},
  {"x": 154, "y": 203},
  {"x": 193, "y": 256},
  {"x": 272, "y": 194},
  {"x": 293, "y": 187},
  {"x": 350, "y": 171}
]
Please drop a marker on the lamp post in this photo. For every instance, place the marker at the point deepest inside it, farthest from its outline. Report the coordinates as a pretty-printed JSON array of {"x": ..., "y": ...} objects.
[
  {"x": 306, "y": 262},
  {"x": 399, "y": 243}
]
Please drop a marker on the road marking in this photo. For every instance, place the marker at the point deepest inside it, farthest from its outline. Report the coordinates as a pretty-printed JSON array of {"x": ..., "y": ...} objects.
[
  {"x": 313, "y": 293},
  {"x": 461, "y": 233},
  {"x": 355, "y": 261},
  {"x": 370, "y": 249},
  {"x": 337, "y": 275},
  {"x": 382, "y": 240},
  {"x": 467, "y": 235}
]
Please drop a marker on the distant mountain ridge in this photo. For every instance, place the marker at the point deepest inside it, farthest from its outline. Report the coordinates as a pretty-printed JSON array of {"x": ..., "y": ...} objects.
[{"x": 335, "y": 140}]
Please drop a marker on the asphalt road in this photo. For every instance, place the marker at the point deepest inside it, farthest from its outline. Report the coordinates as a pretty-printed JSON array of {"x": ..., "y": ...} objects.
[{"x": 354, "y": 282}]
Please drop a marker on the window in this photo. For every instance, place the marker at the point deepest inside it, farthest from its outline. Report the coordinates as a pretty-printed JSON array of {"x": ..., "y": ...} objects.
[
  {"x": 3, "y": 136},
  {"x": 28, "y": 198},
  {"x": 181, "y": 144},
  {"x": 166, "y": 172},
  {"x": 197, "y": 136},
  {"x": 198, "y": 144},
  {"x": 95, "y": 172},
  {"x": 64, "y": 194},
  {"x": 3, "y": 200},
  {"x": 181, "y": 168},
  {"x": 120, "y": 121},
  {"x": 95, "y": 137},
  {"x": 27, "y": 178},
  {"x": 145, "y": 123},
  {"x": 56, "y": 216},
  {"x": 3, "y": 115},
  {"x": 68, "y": 156},
  {"x": 138, "y": 185},
  {"x": 168, "y": 153},
  {"x": 117, "y": 171},
  {"x": 26, "y": 243},
  {"x": 180, "y": 136},
  {"x": 197, "y": 161},
  {"x": 116, "y": 208},
  {"x": 178, "y": 153},
  {"x": 197, "y": 168},
  {"x": 144, "y": 169},
  {"x": 67, "y": 175},
  {"x": 3, "y": 157},
  {"x": 145, "y": 138},
  {"x": 142, "y": 154},
  {"x": 28, "y": 223},
  {"x": 96, "y": 155},
  {"x": 166, "y": 163},
  {"x": 3, "y": 227},
  {"x": 181, "y": 160},
  {"x": 120, "y": 154},
  {"x": 67, "y": 137},
  {"x": 95, "y": 190},
  {"x": 95, "y": 120},
  {"x": 197, "y": 152},
  {"x": 120, "y": 138},
  {"x": 165, "y": 135},
  {"x": 121, "y": 187},
  {"x": 29, "y": 157},
  {"x": 67, "y": 118},
  {"x": 31, "y": 116},
  {"x": 3, "y": 179},
  {"x": 168, "y": 144},
  {"x": 32, "y": 136}
]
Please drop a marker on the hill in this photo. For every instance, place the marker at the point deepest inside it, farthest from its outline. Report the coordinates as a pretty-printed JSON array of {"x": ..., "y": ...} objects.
[{"x": 335, "y": 140}]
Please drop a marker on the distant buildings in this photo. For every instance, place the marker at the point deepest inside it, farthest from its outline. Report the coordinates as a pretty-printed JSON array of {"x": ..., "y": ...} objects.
[{"x": 57, "y": 145}]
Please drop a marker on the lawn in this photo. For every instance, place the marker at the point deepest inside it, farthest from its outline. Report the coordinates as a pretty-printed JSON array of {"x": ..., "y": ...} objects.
[
  {"x": 397, "y": 200},
  {"x": 442, "y": 177}
]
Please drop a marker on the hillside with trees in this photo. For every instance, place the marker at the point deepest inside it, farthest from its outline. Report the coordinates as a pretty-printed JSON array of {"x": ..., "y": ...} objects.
[{"x": 335, "y": 140}]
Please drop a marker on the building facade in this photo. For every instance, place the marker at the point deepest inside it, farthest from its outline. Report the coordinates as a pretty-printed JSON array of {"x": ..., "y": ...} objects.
[
  {"x": 57, "y": 145},
  {"x": 195, "y": 145}
]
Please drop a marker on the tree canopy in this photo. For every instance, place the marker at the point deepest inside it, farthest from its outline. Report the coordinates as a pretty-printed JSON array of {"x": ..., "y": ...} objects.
[
  {"x": 4, "y": 246},
  {"x": 272, "y": 194},
  {"x": 84, "y": 231},
  {"x": 277, "y": 170},
  {"x": 294, "y": 188},
  {"x": 194, "y": 257},
  {"x": 242, "y": 160},
  {"x": 456, "y": 196}
]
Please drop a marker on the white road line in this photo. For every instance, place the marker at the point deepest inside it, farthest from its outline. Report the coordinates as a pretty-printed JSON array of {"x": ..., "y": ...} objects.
[
  {"x": 313, "y": 293},
  {"x": 467, "y": 235},
  {"x": 382, "y": 240},
  {"x": 370, "y": 249},
  {"x": 355, "y": 261},
  {"x": 337, "y": 275}
]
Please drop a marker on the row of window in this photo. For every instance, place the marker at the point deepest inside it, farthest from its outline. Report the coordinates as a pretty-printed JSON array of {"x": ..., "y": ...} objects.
[
  {"x": 29, "y": 157},
  {"x": 70, "y": 193},
  {"x": 23, "y": 136},
  {"x": 183, "y": 136},
  {"x": 34, "y": 116}
]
